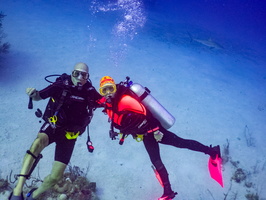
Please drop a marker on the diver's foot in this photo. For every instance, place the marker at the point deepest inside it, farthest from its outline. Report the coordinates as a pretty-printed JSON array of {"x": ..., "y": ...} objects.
[
  {"x": 13, "y": 197},
  {"x": 214, "y": 151},
  {"x": 30, "y": 194},
  {"x": 169, "y": 196}
]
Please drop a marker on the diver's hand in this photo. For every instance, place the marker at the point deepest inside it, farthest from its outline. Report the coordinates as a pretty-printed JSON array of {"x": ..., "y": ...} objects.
[
  {"x": 33, "y": 93},
  {"x": 113, "y": 134}
]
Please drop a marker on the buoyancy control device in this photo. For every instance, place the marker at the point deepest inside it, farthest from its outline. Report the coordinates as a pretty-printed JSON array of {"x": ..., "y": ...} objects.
[{"x": 158, "y": 111}]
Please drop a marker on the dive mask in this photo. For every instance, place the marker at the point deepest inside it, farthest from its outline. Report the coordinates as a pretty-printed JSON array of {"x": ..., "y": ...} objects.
[
  {"x": 107, "y": 89},
  {"x": 77, "y": 73}
]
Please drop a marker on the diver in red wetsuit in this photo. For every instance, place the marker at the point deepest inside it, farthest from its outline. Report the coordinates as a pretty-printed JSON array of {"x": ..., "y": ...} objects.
[{"x": 131, "y": 117}]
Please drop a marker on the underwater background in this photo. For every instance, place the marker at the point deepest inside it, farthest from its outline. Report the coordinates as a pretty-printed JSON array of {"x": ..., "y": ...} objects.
[{"x": 204, "y": 61}]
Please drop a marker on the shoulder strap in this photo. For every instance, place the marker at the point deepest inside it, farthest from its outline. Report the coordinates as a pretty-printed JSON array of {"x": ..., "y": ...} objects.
[
  {"x": 64, "y": 79},
  {"x": 61, "y": 100},
  {"x": 121, "y": 90}
]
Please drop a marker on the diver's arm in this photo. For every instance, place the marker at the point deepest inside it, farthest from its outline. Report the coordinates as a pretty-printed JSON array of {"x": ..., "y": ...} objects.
[{"x": 45, "y": 93}]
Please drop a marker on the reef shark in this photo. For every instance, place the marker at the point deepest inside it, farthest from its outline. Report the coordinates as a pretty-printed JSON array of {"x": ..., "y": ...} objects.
[{"x": 208, "y": 43}]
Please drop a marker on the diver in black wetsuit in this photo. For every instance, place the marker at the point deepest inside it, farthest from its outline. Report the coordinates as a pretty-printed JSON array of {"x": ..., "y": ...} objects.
[
  {"x": 131, "y": 117},
  {"x": 68, "y": 112}
]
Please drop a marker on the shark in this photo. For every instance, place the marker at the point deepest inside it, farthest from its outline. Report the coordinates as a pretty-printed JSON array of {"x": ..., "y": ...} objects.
[{"x": 208, "y": 43}]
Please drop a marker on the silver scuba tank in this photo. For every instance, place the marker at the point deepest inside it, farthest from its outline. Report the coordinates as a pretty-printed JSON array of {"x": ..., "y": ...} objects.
[{"x": 157, "y": 110}]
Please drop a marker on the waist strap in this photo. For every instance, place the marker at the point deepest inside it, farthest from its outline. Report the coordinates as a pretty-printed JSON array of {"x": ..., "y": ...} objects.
[{"x": 152, "y": 130}]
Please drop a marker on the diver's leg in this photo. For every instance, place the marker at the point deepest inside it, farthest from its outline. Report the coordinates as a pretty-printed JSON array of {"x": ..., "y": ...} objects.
[
  {"x": 37, "y": 146},
  {"x": 170, "y": 138},
  {"x": 153, "y": 150},
  {"x": 49, "y": 181},
  {"x": 63, "y": 152}
]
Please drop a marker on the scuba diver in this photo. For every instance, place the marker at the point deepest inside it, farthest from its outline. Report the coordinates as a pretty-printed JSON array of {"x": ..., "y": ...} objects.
[
  {"x": 68, "y": 112},
  {"x": 133, "y": 111}
]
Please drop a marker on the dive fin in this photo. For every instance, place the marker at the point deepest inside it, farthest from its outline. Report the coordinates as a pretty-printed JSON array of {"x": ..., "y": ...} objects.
[{"x": 215, "y": 169}]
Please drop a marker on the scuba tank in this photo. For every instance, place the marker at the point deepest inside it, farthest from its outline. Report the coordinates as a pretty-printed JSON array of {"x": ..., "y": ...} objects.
[{"x": 157, "y": 110}]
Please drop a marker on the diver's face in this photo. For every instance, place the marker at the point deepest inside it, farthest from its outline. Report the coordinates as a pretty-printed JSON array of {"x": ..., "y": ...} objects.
[
  {"x": 109, "y": 98},
  {"x": 79, "y": 77},
  {"x": 108, "y": 91},
  {"x": 80, "y": 74}
]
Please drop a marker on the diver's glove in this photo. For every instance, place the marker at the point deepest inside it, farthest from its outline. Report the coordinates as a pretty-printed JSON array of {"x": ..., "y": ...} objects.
[
  {"x": 33, "y": 93},
  {"x": 113, "y": 134}
]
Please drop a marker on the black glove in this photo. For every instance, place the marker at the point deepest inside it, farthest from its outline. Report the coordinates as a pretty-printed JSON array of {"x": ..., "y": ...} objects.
[
  {"x": 90, "y": 147},
  {"x": 113, "y": 134}
]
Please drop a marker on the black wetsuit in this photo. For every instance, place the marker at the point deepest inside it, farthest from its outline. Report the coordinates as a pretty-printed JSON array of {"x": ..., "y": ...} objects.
[{"x": 74, "y": 112}]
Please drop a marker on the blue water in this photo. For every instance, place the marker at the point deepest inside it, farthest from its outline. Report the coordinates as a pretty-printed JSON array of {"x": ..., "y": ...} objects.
[
  {"x": 204, "y": 60},
  {"x": 240, "y": 20},
  {"x": 236, "y": 24}
]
